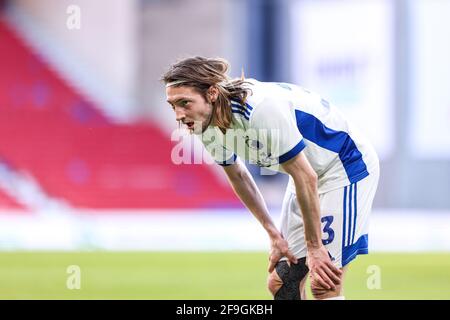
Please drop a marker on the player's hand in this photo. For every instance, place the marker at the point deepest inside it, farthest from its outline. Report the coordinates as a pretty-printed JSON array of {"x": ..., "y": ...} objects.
[
  {"x": 279, "y": 249},
  {"x": 323, "y": 273}
]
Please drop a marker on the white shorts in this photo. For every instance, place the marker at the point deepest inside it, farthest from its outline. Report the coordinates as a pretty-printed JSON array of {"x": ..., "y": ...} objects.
[{"x": 345, "y": 220}]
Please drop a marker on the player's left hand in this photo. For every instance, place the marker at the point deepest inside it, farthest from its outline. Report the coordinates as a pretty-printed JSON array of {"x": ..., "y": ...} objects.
[
  {"x": 323, "y": 273},
  {"x": 279, "y": 249}
]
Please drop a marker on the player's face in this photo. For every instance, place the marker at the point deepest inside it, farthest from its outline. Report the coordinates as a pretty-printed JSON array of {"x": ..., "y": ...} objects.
[{"x": 190, "y": 107}]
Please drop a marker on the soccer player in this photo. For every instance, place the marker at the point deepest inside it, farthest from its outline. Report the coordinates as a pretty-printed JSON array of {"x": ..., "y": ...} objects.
[{"x": 333, "y": 169}]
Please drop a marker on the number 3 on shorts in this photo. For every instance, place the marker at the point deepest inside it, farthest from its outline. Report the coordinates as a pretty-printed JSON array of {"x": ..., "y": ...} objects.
[{"x": 327, "y": 229}]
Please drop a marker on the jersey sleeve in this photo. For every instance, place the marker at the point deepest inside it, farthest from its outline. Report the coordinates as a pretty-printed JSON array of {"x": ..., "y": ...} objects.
[
  {"x": 213, "y": 143},
  {"x": 276, "y": 128}
]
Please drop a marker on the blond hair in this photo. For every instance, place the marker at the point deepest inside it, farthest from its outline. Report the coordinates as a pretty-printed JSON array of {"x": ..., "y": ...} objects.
[{"x": 201, "y": 73}]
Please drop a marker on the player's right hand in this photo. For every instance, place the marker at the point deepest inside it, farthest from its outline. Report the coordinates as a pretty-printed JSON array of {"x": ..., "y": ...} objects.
[{"x": 279, "y": 249}]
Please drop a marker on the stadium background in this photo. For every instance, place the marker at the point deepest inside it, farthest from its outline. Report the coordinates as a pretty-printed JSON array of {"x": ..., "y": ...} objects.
[{"x": 86, "y": 138}]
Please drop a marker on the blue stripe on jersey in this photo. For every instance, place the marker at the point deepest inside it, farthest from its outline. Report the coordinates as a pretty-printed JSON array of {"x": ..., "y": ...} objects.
[
  {"x": 246, "y": 112},
  {"x": 350, "y": 199},
  {"x": 344, "y": 223},
  {"x": 240, "y": 112},
  {"x": 248, "y": 109},
  {"x": 360, "y": 247},
  {"x": 228, "y": 162},
  {"x": 240, "y": 108},
  {"x": 293, "y": 152},
  {"x": 337, "y": 141},
  {"x": 246, "y": 104},
  {"x": 355, "y": 204}
]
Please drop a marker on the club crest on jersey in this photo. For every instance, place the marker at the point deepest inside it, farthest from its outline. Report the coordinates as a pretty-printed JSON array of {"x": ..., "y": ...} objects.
[
  {"x": 266, "y": 160},
  {"x": 254, "y": 144}
]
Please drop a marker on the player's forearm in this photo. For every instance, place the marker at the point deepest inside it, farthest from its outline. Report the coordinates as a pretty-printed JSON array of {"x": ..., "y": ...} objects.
[
  {"x": 245, "y": 188},
  {"x": 308, "y": 198}
]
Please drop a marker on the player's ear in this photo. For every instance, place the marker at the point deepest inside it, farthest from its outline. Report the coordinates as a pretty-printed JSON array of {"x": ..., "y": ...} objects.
[{"x": 212, "y": 94}]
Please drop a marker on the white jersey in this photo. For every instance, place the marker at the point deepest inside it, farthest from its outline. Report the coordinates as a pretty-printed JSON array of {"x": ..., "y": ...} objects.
[{"x": 281, "y": 120}]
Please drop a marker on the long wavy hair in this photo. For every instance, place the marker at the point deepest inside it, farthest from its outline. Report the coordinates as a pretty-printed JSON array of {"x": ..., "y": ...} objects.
[{"x": 201, "y": 73}]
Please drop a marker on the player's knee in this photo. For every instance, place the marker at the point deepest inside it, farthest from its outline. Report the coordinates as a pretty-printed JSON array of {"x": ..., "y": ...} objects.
[
  {"x": 284, "y": 281},
  {"x": 274, "y": 283},
  {"x": 320, "y": 293}
]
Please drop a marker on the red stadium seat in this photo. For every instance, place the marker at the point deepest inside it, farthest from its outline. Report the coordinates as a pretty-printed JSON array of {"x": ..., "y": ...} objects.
[
  {"x": 7, "y": 202},
  {"x": 76, "y": 153}
]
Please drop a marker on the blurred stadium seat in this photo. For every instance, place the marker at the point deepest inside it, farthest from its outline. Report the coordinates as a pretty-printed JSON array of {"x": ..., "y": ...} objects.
[
  {"x": 8, "y": 203},
  {"x": 76, "y": 153}
]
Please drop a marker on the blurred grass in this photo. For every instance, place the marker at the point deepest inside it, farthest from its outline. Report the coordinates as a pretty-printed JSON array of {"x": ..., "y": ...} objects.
[{"x": 203, "y": 275}]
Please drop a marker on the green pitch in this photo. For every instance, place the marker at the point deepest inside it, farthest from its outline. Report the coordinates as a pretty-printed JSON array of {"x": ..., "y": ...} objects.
[{"x": 224, "y": 275}]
